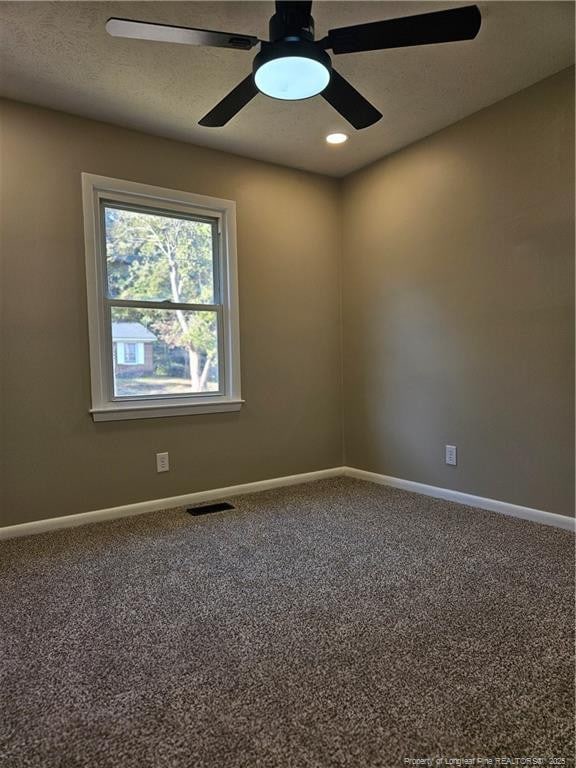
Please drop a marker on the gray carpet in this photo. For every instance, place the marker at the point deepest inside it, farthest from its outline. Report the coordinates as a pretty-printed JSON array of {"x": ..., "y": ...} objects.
[{"x": 337, "y": 623}]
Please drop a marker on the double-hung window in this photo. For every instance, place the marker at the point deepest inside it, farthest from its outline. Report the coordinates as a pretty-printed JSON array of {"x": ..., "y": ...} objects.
[{"x": 162, "y": 301}]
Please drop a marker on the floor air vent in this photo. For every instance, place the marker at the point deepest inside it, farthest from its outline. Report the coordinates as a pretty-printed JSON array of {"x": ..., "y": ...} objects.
[{"x": 205, "y": 509}]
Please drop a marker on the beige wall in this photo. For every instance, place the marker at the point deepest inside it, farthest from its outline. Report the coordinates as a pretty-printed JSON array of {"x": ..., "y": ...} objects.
[
  {"x": 457, "y": 301},
  {"x": 56, "y": 461},
  {"x": 459, "y": 304}
]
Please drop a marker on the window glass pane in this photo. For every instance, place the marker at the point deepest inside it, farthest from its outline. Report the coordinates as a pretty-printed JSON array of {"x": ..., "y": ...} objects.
[
  {"x": 129, "y": 353},
  {"x": 158, "y": 257},
  {"x": 164, "y": 352}
]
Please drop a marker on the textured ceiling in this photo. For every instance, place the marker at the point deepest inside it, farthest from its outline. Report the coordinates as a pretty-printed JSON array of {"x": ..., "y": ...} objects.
[{"x": 57, "y": 54}]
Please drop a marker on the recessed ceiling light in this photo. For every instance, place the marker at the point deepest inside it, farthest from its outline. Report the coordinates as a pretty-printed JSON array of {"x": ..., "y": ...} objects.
[{"x": 336, "y": 138}]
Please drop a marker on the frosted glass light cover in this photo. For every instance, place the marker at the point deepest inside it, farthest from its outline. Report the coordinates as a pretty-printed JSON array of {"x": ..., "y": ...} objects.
[{"x": 292, "y": 78}]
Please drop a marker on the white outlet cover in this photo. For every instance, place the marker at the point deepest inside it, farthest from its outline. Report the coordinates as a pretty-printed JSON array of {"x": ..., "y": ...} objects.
[
  {"x": 451, "y": 455},
  {"x": 162, "y": 462}
]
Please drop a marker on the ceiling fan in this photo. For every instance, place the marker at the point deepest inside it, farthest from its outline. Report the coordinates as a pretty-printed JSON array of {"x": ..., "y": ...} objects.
[{"x": 292, "y": 65}]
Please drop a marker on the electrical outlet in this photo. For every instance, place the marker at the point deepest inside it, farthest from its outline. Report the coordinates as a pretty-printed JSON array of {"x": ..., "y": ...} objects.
[
  {"x": 162, "y": 462},
  {"x": 451, "y": 456}
]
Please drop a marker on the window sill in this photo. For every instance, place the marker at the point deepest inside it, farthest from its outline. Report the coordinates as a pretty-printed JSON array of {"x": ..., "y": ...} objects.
[{"x": 123, "y": 411}]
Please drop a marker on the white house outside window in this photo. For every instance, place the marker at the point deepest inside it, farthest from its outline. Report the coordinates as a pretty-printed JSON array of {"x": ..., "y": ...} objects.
[{"x": 162, "y": 301}]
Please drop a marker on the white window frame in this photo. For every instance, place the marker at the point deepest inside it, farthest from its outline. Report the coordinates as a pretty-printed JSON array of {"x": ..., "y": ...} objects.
[{"x": 105, "y": 406}]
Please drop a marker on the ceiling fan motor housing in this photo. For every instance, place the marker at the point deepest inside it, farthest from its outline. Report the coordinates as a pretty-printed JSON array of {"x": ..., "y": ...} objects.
[{"x": 291, "y": 20}]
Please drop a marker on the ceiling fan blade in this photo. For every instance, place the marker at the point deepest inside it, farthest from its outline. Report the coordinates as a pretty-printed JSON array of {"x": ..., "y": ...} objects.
[
  {"x": 165, "y": 33},
  {"x": 436, "y": 27},
  {"x": 230, "y": 104},
  {"x": 351, "y": 104}
]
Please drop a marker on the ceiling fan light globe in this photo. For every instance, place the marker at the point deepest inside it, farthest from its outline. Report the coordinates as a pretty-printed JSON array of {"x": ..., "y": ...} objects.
[
  {"x": 292, "y": 78},
  {"x": 292, "y": 69}
]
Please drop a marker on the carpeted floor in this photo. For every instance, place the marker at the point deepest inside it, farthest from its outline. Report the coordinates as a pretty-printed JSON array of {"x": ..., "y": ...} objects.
[{"x": 337, "y": 623}]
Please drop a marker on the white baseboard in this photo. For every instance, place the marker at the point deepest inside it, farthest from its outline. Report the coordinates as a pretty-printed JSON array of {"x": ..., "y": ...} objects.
[
  {"x": 492, "y": 505},
  {"x": 127, "y": 510}
]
